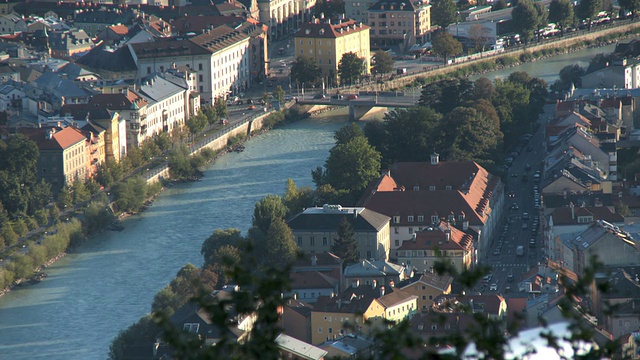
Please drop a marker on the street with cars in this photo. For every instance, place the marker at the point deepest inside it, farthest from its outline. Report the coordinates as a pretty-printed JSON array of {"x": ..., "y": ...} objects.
[{"x": 518, "y": 246}]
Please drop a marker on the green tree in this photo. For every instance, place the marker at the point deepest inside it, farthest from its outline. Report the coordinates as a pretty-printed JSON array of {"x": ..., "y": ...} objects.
[
  {"x": 443, "y": 13},
  {"x": 40, "y": 196},
  {"x": 225, "y": 258},
  {"x": 266, "y": 211},
  {"x": 279, "y": 93},
  {"x": 542, "y": 15},
  {"x": 65, "y": 198},
  {"x": 220, "y": 108},
  {"x": 570, "y": 74},
  {"x": 483, "y": 89},
  {"x": 472, "y": 136},
  {"x": 588, "y": 10},
  {"x": 561, "y": 13},
  {"x": 407, "y": 135},
  {"x": 197, "y": 123},
  {"x": 19, "y": 227},
  {"x": 54, "y": 213},
  {"x": 144, "y": 330},
  {"x": 630, "y": 5},
  {"x": 525, "y": 20},
  {"x": 131, "y": 194},
  {"x": 445, "y": 95},
  {"x": 382, "y": 62},
  {"x": 280, "y": 247},
  {"x": 79, "y": 191},
  {"x": 347, "y": 133},
  {"x": 218, "y": 239},
  {"x": 23, "y": 266},
  {"x": 352, "y": 166},
  {"x": 345, "y": 245},
  {"x": 304, "y": 70},
  {"x": 350, "y": 68},
  {"x": 296, "y": 199},
  {"x": 445, "y": 45},
  {"x": 41, "y": 217}
]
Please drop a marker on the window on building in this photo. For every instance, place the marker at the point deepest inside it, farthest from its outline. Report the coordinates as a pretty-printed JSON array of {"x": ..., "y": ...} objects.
[
  {"x": 148, "y": 69},
  {"x": 320, "y": 330},
  {"x": 410, "y": 218},
  {"x": 368, "y": 254},
  {"x": 396, "y": 219},
  {"x": 432, "y": 188},
  {"x": 325, "y": 241},
  {"x": 396, "y": 230},
  {"x": 191, "y": 327},
  {"x": 397, "y": 242},
  {"x": 410, "y": 230},
  {"x": 199, "y": 66},
  {"x": 299, "y": 240},
  {"x": 200, "y": 78},
  {"x": 434, "y": 218},
  {"x": 312, "y": 241}
]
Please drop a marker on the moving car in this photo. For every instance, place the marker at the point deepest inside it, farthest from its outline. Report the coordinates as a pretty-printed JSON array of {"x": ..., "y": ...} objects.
[{"x": 493, "y": 287}]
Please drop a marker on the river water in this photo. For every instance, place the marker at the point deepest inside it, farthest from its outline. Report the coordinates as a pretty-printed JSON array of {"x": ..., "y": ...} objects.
[{"x": 92, "y": 294}]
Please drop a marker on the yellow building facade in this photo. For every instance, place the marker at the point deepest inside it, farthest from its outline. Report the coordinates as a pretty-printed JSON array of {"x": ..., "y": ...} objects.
[{"x": 326, "y": 43}]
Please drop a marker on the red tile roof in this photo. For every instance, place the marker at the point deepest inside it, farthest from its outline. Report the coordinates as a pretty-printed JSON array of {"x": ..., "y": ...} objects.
[
  {"x": 61, "y": 139},
  {"x": 460, "y": 188},
  {"x": 563, "y": 215},
  {"x": 119, "y": 29},
  {"x": 436, "y": 238}
]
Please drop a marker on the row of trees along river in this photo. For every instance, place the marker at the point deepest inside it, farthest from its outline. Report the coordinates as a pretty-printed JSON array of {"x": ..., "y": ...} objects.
[{"x": 109, "y": 283}]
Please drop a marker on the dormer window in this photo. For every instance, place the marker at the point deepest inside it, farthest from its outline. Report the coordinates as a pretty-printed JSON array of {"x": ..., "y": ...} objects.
[
  {"x": 420, "y": 218},
  {"x": 308, "y": 31},
  {"x": 452, "y": 218},
  {"x": 432, "y": 188},
  {"x": 448, "y": 187},
  {"x": 460, "y": 217},
  {"x": 396, "y": 219},
  {"x": 321, "y": 31},
  {"x": 416, "y": 188},
  {"x": 434, "y": 219},
  {"x": 410, "y": 218}
]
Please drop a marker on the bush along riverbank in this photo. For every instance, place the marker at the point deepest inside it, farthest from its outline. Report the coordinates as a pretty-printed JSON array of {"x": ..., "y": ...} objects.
[{"x": 507, "y": 61}]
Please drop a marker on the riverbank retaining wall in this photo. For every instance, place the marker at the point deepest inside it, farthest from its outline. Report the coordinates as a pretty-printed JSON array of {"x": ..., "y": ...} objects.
[{"x": 562, "y": 42}]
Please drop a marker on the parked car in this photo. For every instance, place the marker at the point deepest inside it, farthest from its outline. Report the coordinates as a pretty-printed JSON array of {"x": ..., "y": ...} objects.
[
  {"x": 251, "y": 107},
  {"x": 320, "y": 96},
  {"x": 352, "y": 97},
  {"x": 338, "y": 97}
]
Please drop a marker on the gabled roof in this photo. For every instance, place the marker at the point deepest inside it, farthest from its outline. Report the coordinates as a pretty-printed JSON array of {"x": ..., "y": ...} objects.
[
  {"x": 622, "y": 286},
  {"x": 395, "y": 298},
  {"x": 100, "y": 57},
  {"x": 435, "y": 237},
  {"x": 367, "y": 268},
  {"x": 322, "y": 260},
  {"x": 318, "y": 29},
  {"x": 439, "y": 282},
  {"x": 156, "y": 88},
  {"x": 125, "y": 101},
  {"x": 301, "y": 349},
  {"x": 311, "y": 280},
  {"x": 60, "y": 140},
  {"x": 461, "y": 188},
  {"x": 167, "y": 48},
  {"x": 219, "y": 38},
  {"x": 565, "y": 215},
  {"x": 319, "y": 219}
]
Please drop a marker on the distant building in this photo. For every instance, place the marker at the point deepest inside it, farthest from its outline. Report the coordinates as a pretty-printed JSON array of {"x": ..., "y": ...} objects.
[
  {"x": 419, "y": 195},
  {"x": 285, "y": 16},
  {"x": 63, "y": 155},
  {"x": 65, "y": 44},
  {"x": 316, "y": 229},
  {"x": 427, "y": 288},
  {"x": 403, "y": 23},
  {"x": 621, "y": 74},
  {"x": 432, "y": 243},
  {"x": 326, "y": 43}
]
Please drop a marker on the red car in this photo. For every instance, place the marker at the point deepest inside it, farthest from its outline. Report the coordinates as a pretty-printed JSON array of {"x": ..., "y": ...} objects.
[{"x": 352, "y": 97}]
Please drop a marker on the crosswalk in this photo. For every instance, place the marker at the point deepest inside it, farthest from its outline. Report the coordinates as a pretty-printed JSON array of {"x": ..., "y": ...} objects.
[{"x": 497, "y": 266}]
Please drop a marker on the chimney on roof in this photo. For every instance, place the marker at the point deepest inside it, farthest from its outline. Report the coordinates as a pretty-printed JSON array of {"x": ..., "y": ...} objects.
[
  {"x": 374, "y": 284},
  {"x": 355, "y": 213},
  {"x": 356, "y": 283},
  {"x": 381, "y": 291},
  {"x": 573, "y": 210},
  {"x": 435, "y": 158},
  {"x": 465, "y": 225},
  {"x": 314, "y": 260},
  {"x": 447, "y": 233},
  {"x": 413, "y": 237},
  {"x": 49, "y": 133},
  {"x": 392, "y": 283}
]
